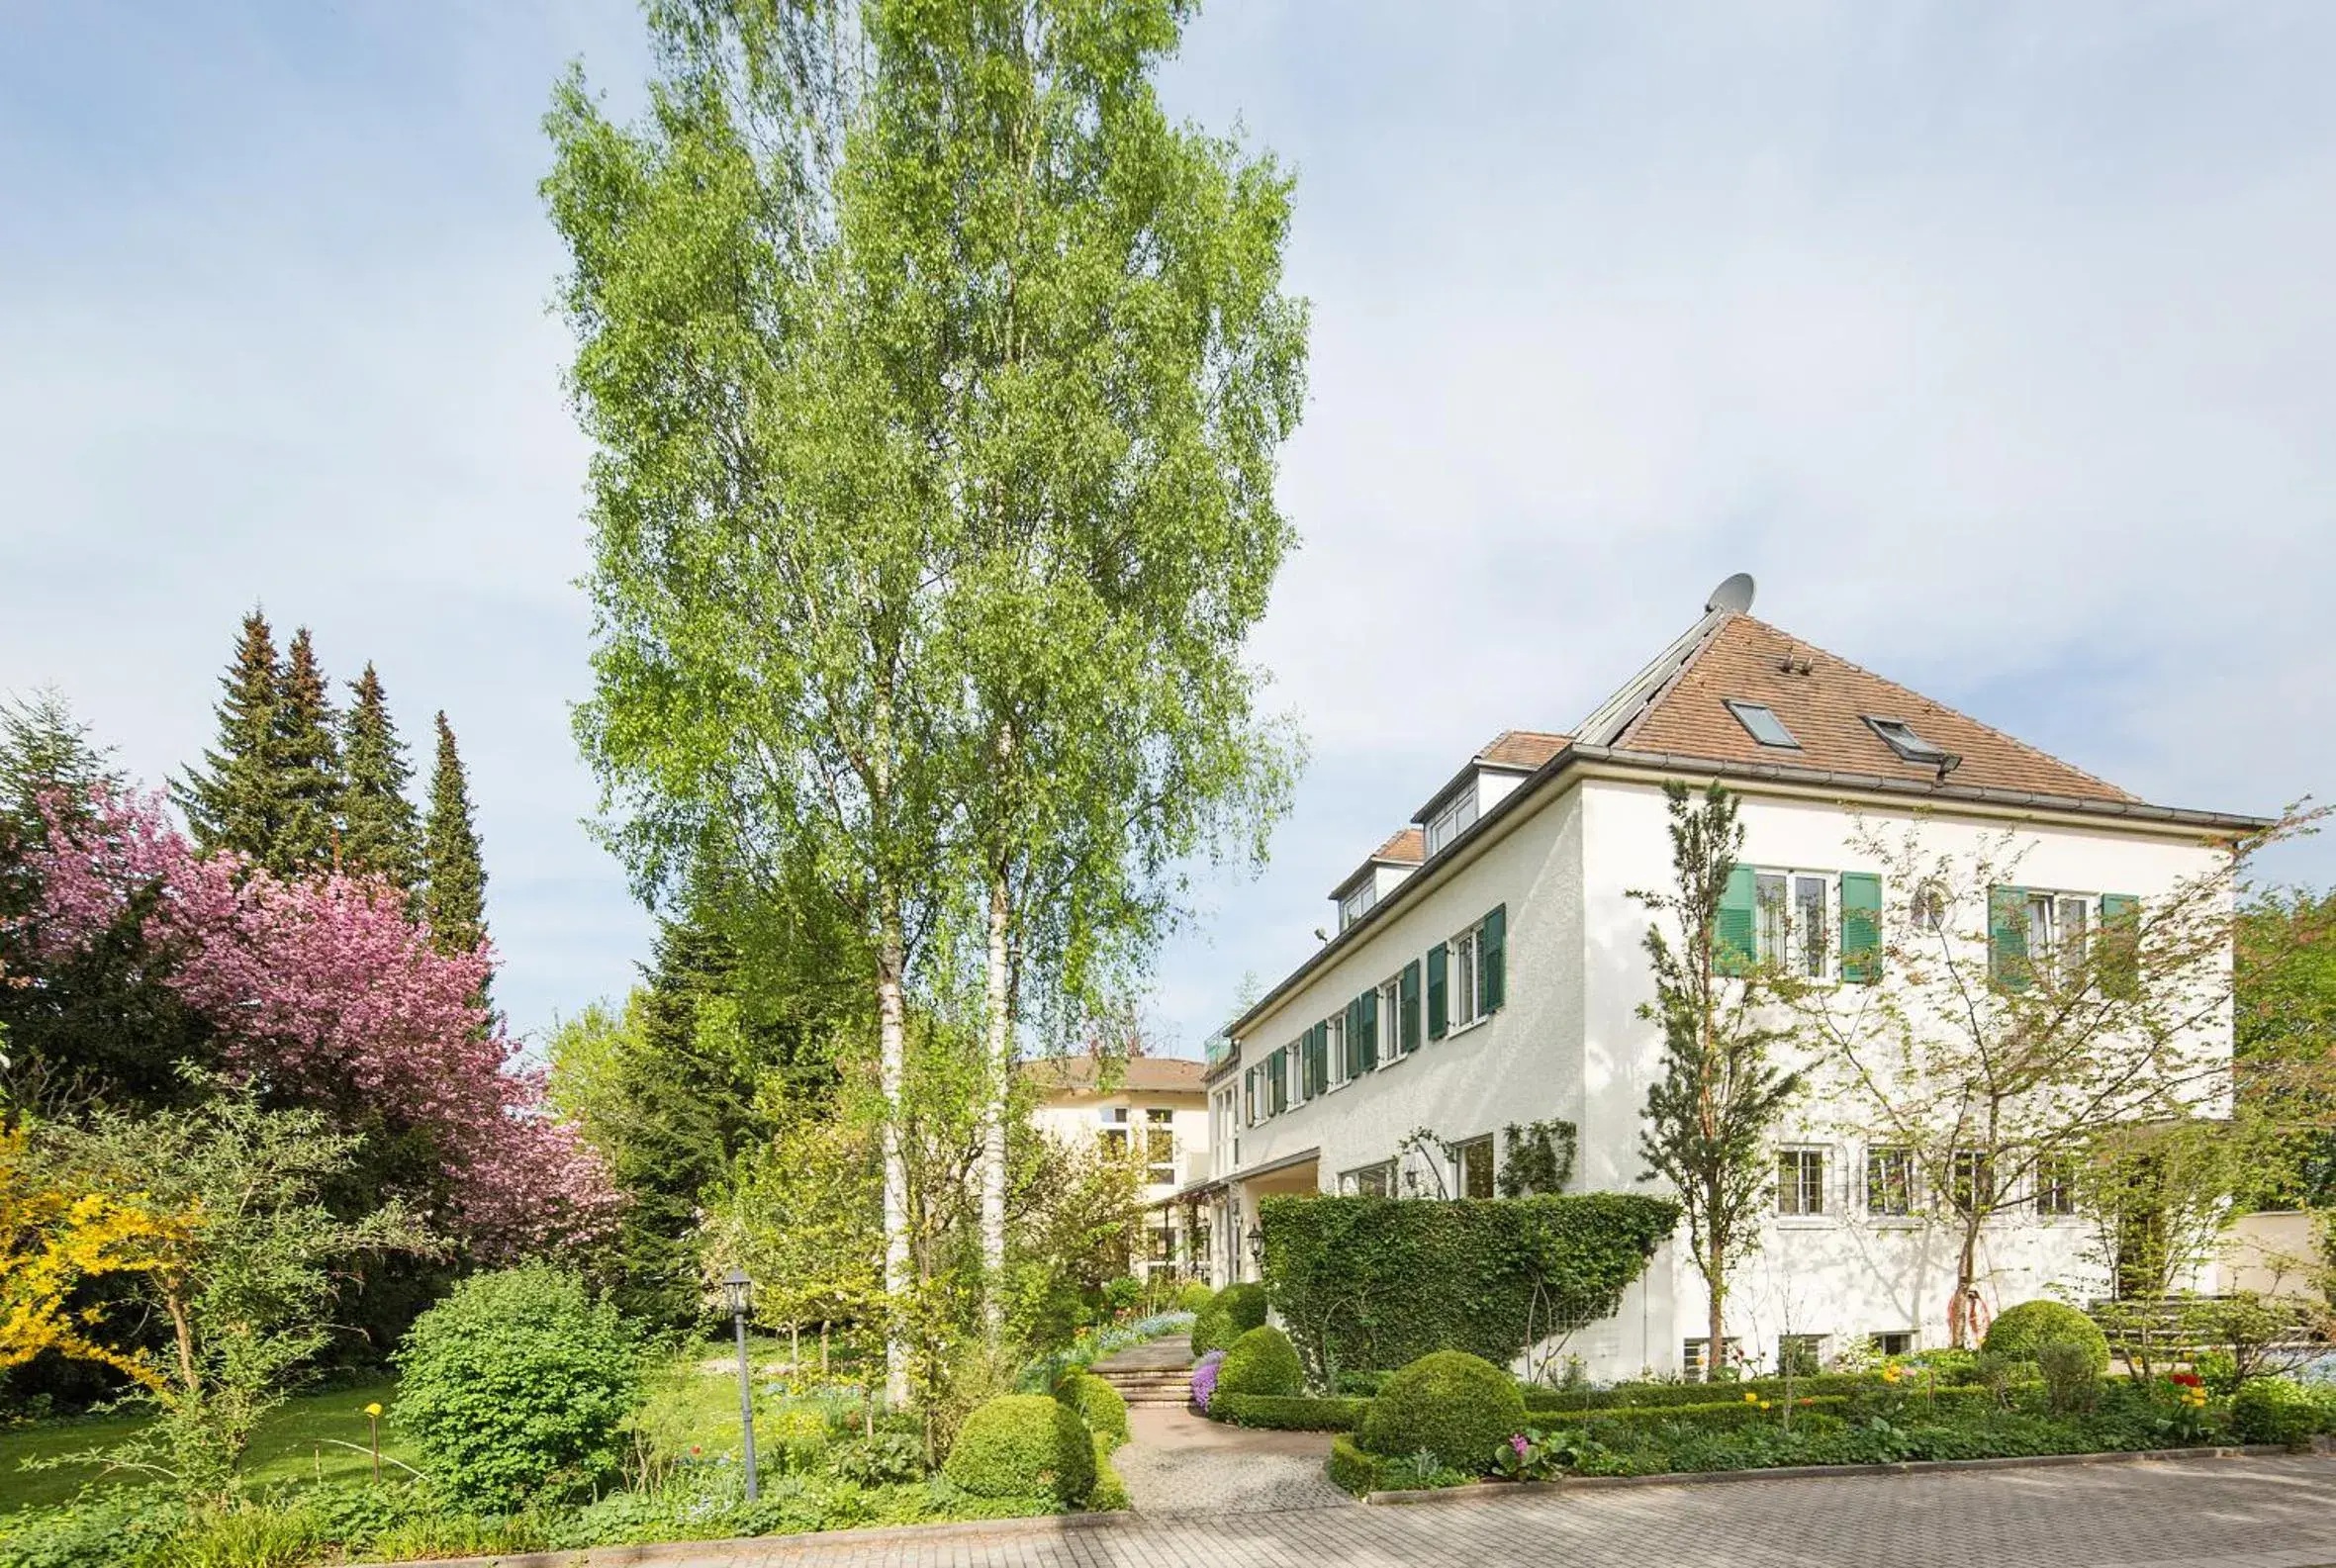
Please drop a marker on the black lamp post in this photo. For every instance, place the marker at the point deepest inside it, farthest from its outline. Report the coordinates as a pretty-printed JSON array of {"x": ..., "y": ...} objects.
[{"x": 740, "y": 1291}]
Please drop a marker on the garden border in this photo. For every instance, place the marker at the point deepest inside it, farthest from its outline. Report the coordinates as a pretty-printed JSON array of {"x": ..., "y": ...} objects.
[
  {"x": 1475, "y": 1490},
  {"x": 666, "y": 1550}
]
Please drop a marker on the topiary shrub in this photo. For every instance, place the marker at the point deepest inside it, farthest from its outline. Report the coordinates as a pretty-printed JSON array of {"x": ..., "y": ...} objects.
[
  {"x": 1261, "y": 1361},
  {"x": 1351, "y": 1469},
  {"x": 517, "y": 1386},
  {"x": 1099, "y": 1405},
  {"x": 2273, "y": 1410},
  {"x": 1212, "y": 1329},
  {"x": 1109, "y": 1493},
  {"x": 2017, "y": 1334},
  {"x": 1245, "y": 1307},
  {"x": 1456, "y": 1406},
  {"x": 1024, "y": 1445},
  {"x": 1193, "y": 1297}
]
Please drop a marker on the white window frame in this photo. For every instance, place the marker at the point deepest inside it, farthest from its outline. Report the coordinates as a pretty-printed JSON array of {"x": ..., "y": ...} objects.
[
  {"x": 1782, "y": 924},
  {"x": 1457, "y": 818},
  {"x": 1463, "y": 955},
  {"x": 1340, "y": 1061},
  {"x": 1163, "y": 1121},
  {"x": 1695, "y": 1363},
  {"x": 1460, "y": 1164},
  {"x": 1296, "y": 1069},
  {"x": 1800, "y": 1154},
  {"x": 1816, "y": 1342},
  {"x": 1390, "y": 1020},
  {"x": 1912, "y": 1192},
  {"x": 1359, "y": 902},
  {"x": 1913, "y": 1340},
  {"x": 1383, "y": 1171},
  {"x": 2056, "y": 904},
  {"x": 2065, "y": 1207}
]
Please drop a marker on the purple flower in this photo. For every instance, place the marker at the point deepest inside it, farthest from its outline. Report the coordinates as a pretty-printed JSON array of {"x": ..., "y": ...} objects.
[
  {"x": 1518, "y": 1443},
  {"x": 1204, "y": 1378}
]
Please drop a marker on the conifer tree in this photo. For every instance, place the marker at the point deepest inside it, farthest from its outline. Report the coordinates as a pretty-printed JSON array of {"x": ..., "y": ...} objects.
[
  {"x": 455, "y": 896},
  {"x": 308, "y": 765},
  {"x": 379, "y": 834},
  {"x": 234, "y": 799}
]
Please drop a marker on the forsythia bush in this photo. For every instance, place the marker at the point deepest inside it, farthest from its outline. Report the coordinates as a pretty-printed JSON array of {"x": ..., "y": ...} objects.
[{"x": 517, "y": 1385}]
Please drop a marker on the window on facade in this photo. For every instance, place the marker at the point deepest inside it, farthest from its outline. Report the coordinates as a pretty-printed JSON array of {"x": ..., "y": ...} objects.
[
  {"x": 1359, "y": 903},
  {"x": 1369, "y": 1182},
  {"x": 1159, "y": 1147},
  {"x": 2056, "y": 1186},
  {"x": 1762, "y": 724},
  {"x": 1890, "y": 1181},
  {"x": 1464, "y": 956},
  {"x": 1812, "y": 932},
  {"x": 2057, "y": 926},
  {"x": 1971, "y": 1180},
  {"x": 1694, "y": 1359},
  {"x": 1456, "y": 817},
  {"x": 1474, "y": 1158},
  {"x": 1801, "y": 1182},
  {"x": 1164, "y": 1245},
  {"x": 1928, "y": 907},
  {"x": 1893, "y": 1342},
  {"x": 1345, "y": 1062},
  {"x": 1114, "y": 1136},
  {"x": 1800, "y": 1354}
]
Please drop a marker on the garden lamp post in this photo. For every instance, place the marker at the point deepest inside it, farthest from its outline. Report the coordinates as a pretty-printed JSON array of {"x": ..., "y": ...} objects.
[{"x": 740, "y": 1291}]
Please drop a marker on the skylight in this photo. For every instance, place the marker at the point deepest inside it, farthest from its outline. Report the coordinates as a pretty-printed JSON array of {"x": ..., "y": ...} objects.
[
  {"x": 1763, "y": 725},
  {"x": 1901, "y": 739}
]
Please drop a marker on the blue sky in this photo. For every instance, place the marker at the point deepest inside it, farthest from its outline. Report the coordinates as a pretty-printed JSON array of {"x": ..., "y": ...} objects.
[{"x": 1996, "y": 341}]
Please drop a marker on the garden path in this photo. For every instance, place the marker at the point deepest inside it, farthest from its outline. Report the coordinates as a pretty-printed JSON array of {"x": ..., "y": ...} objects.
[{"x": 1176, "y": 1462}]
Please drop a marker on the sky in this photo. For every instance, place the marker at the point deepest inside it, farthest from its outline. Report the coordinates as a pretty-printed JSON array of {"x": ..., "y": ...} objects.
[{"x": 1996, "y": 341}]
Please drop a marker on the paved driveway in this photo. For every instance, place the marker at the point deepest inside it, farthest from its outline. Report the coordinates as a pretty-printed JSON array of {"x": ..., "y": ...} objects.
[{"x": 2273, "y": 1513}]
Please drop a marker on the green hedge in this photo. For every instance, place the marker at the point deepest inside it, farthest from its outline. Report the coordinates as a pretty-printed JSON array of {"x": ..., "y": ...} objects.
[
  {"x": 1261, "y": 1362},
  {"x": 1098, "y": 1404},
  {"x": 1740, "y": 1412},
  {"x": 1621, "y": 1394},
  {"x": 1109, "y": 1493},
  {"x": 1024, "y": 1445},
  {"x": 1352, "y": 1468},
  {"x": 1379, "y": 1282},
  {"x": 1297, "y": 1412}
]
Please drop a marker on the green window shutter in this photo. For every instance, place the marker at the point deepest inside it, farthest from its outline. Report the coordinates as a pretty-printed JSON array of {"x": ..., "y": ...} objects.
[
  {"x": 1732, "y": 932},
  {"x": 1320, "y": 1035},
  {"x": 2120, "y": 946},
  {"x": 1439, "y": 1005},
  {"x": 1309, "y": 1073},
  {"x": 2006, "y": 937},
  {"x": 1407, "y": 1000},
  {"x": 1861, "y": 927},
  {"x": 1280, "y": 1076},
  {"x": 1492, "y": 962},
  {"x": 1367, "y": 1012}
]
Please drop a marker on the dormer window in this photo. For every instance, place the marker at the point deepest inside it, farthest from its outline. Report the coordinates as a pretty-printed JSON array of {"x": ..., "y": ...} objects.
[
  {"x": 1901, "y": 738},
  {"x": 1454, "y": 820},
  {"x": 1359, "y": 903},
  {"x": 1762, "y": 724}
]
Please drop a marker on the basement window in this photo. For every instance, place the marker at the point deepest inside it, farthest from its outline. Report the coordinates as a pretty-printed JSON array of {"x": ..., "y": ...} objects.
[
  {"x": 1762, "y": 724},
  {"x": 1901, "y": 738}
]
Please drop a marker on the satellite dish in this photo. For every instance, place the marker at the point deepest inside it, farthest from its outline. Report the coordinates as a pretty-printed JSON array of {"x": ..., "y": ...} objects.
[{"x": 1735, "y": 594}]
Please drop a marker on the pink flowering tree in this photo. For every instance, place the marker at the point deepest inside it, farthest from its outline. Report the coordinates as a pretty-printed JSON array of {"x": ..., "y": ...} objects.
[{"x": 326, "y": 991}]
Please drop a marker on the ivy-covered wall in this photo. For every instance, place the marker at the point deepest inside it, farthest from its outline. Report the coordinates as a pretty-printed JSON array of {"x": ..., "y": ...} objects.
[{"x": 1377, "y": 1282}]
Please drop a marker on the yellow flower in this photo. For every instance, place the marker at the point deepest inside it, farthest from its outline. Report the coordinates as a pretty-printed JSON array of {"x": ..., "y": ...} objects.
[
  {"x": 1763, "y": 1403},
  {"x": 373, "y": 1410},
  {"x": 1751, "y": 1399},
  {"x": 1891, "y": 1373}
]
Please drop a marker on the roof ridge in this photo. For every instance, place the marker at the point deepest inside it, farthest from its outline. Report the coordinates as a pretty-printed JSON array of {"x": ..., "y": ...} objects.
[
  {"x": 2038, "y": 752},
  {"x": 1679, "y": 672}
]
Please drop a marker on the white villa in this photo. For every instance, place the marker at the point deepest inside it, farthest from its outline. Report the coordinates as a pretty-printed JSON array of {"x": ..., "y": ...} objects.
[
  {"x": 1152, "y": 1108},
  {"x": 1488, "y": 967}
]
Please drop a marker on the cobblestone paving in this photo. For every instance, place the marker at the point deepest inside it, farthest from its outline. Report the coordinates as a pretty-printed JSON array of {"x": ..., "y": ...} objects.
[
  {"x": 1182, "y": 1463},
  {"x": 2273, "y": 1513}
]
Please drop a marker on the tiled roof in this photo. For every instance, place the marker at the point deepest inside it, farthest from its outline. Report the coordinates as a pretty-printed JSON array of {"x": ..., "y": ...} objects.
[
  {"x": 1824, "y": 701},
  {"x": 1521, "y": 748},
  {"x": 1135, "y": 1076},
  {"x": 1408, "y": 847}
]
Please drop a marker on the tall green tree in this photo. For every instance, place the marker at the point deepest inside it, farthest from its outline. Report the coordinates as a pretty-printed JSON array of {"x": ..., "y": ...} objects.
[
  {"x": 379, "y": 834},
  {"x": 234, "y": 799},
  {"x": 308, "y": 766},
  {"x": 454, "y": 895},
  {"x": 2284, "y": 980},
  {"x": 1709, "y": 1116}
]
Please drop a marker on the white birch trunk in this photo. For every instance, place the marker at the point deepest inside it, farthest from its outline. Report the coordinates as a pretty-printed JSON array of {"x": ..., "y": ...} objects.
[
  {"x": 997, "y": 1072},
  {"x": 892, "y": 1046}
]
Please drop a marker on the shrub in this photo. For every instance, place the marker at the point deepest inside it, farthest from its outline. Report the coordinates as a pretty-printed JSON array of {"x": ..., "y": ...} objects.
[
  {"x": 1261, "y": 1362},
  {"x": 1245, "y": 1307},
  {"x": 1109, "y": 1492},
  {"x": 2017, "y": 1334},
  {"x": 1454, "y": 1406},
  {"x": 2072, "y": 1383},
  {"x": 793, "y": 1436},
  {"x": 882, "y": 1458},
  {"x": 1098, "y": 1404},
  {"x": 1375, "y": 1282},
  {"x": 2273, "y": 1410},
  {"x": 1212, "y": 1329},
  {"x": 1296, "y": 1413},
  {"x": 1024, "y": 1445},
  {"x": 1350, "y": 1467},
  {"x": 1193, "y": 1297},
  {"x": 517, "y": 1385},
  {"x": 1204, "y": 1379}
]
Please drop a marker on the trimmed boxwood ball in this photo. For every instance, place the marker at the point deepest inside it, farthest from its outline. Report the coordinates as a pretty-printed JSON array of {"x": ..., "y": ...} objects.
[
  {"x": 1261, "y": 1361},
  {"x": 1193, "y": 1297},
  {"x": 1212, "y": 1330},
  {"x": 1456, "y": 1406},
  {"x": 1024, "y": 1445},
  {"x": 2015, "y": 1334},
  {"x": 1098, "y": 1404},
  {"x": 1245, "y": 1305}
]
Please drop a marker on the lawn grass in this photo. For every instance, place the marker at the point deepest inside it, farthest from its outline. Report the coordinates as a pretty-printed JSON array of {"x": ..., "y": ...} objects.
[{"x": 297, "y": 1444}]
